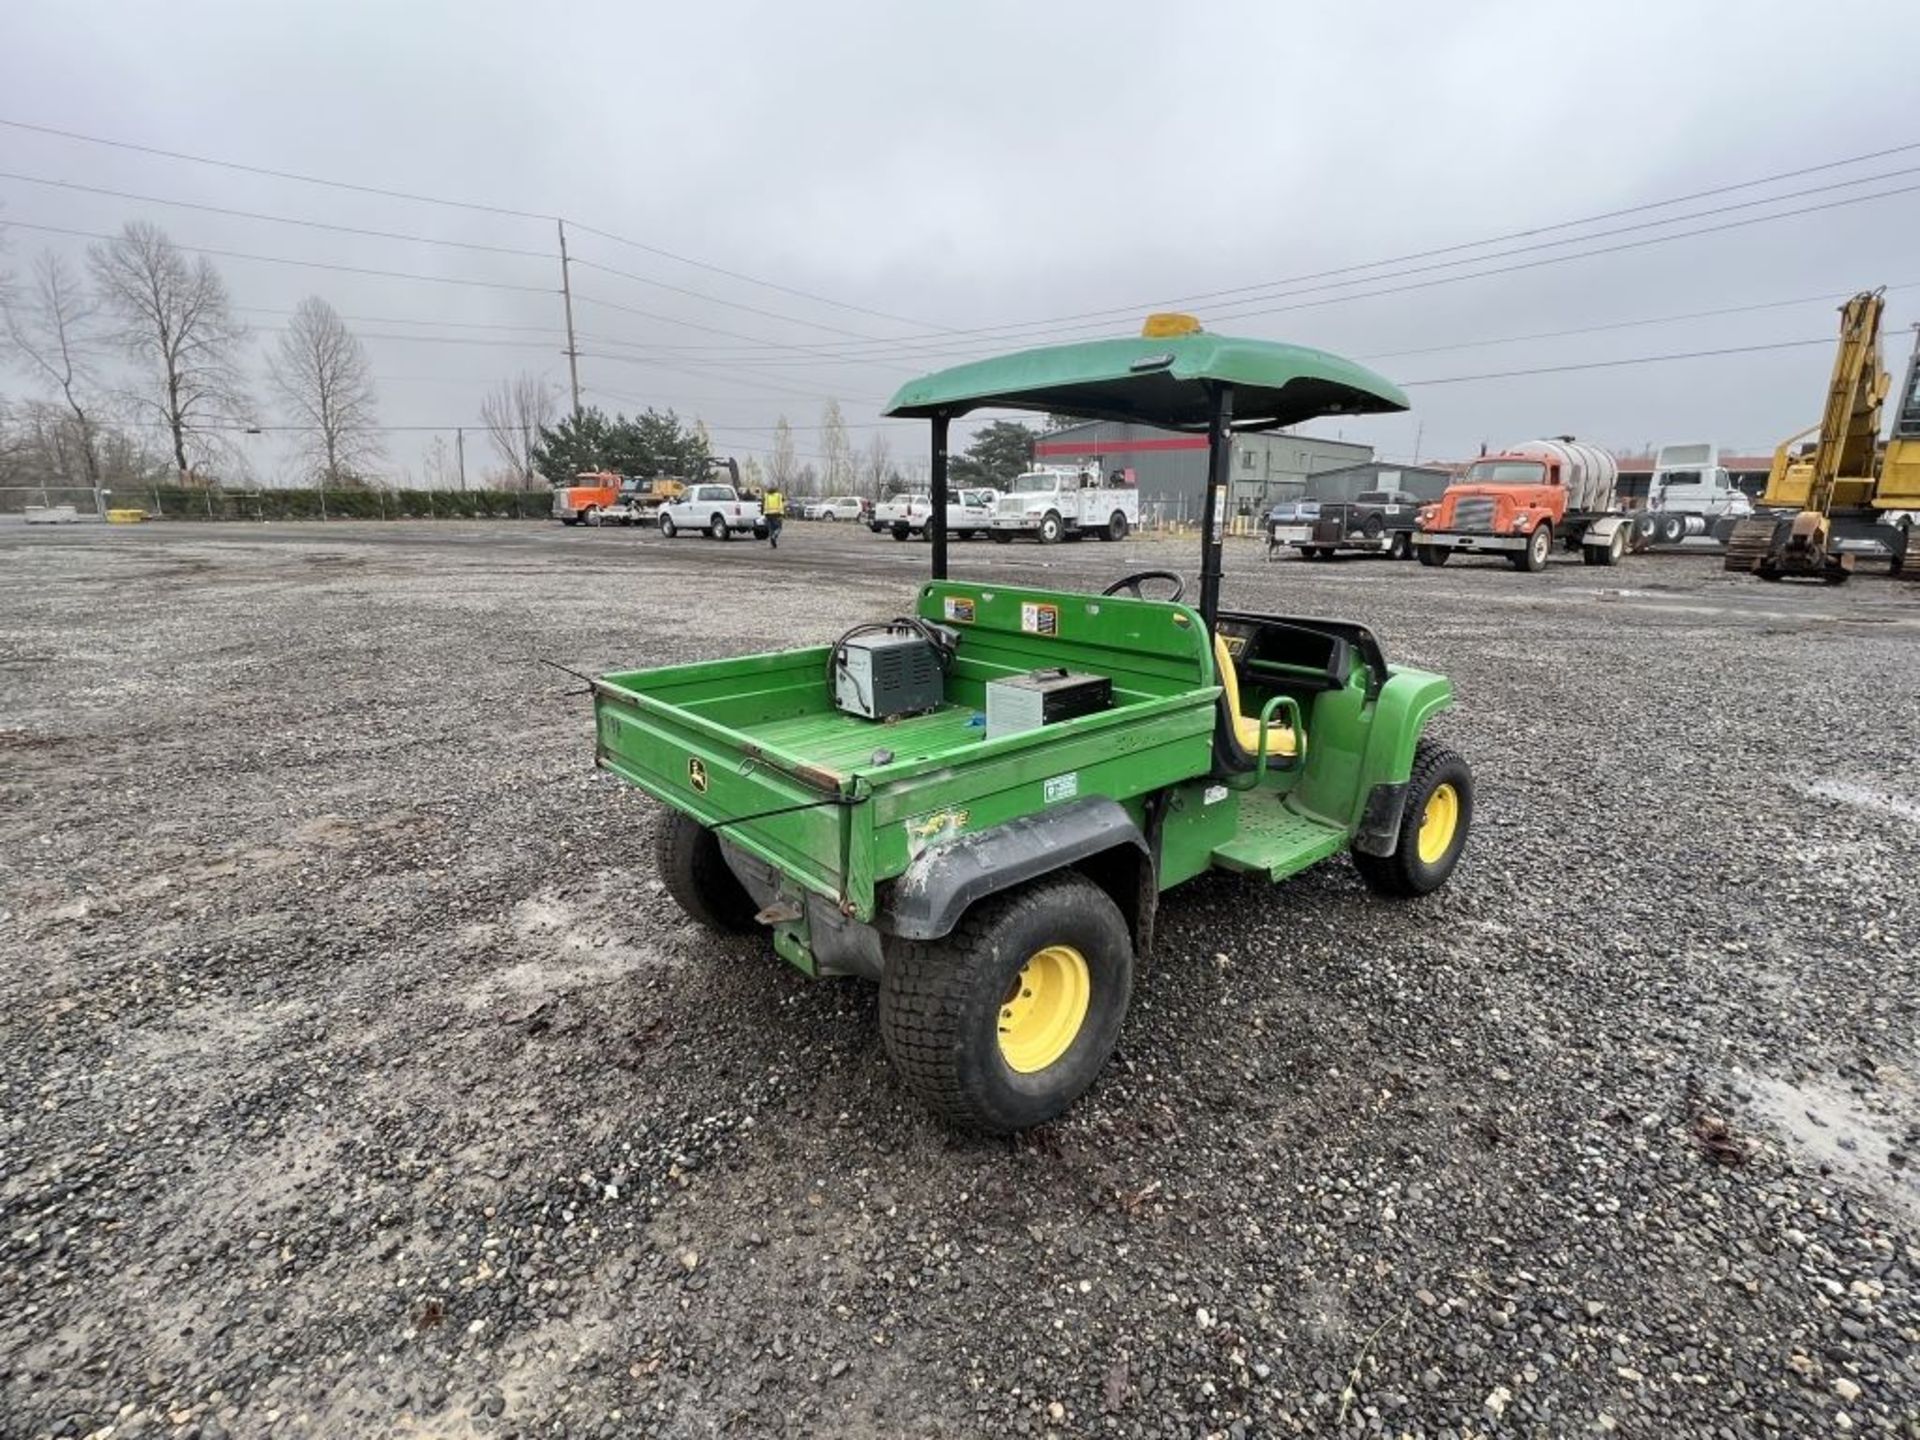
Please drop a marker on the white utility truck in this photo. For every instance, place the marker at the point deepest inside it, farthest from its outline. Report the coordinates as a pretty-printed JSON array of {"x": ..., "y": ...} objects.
[{"x": 1061, "y": 502}]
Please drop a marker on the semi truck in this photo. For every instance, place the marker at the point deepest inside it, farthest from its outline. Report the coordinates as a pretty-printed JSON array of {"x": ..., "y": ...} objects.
[
  {"x": 1522, "y": 501},
  {"x": 581, "y": 502},
  {"x": 1690, "y": 495}
]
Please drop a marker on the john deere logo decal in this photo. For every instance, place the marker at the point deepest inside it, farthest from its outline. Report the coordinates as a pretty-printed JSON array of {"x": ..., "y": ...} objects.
[{"x": 697, "y": 773}]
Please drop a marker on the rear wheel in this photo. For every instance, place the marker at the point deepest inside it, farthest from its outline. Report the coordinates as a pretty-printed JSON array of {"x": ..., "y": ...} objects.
[
  {"x": 717, "y": 528},
  {"x": 900, "y": 532},
  {"x": 1401, "y": 546},
  {"x": 1116, "y": 526},
  {"x": 1433, "y": 826},
  {"x": 667, "y": 527},
  {"x": 1671, "y": 530},
  {"x": 1432, "y": 554},
  {"x": 1610, "y": 553},
  {"x": 1006, "y": 1022},
  {"x": 696, "y": 875}
]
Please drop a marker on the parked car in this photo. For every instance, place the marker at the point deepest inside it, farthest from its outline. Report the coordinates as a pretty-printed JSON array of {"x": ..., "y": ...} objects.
[
  {"x": 838, "y": 507},
  {"x": 716, "y": 511}
]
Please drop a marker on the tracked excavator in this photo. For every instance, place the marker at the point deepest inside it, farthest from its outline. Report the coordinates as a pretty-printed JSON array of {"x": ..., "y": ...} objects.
[{"x": 1847, "y": 493}]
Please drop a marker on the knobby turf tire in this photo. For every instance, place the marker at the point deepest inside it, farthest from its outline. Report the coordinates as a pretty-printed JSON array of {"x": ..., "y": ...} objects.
[
  {"x": 698, "y": 878},
  {"x": 940, "y": 1004},
  {"x": 1403, "y": 874}
]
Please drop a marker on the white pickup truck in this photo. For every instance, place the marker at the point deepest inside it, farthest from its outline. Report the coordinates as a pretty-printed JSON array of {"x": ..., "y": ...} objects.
[
  {"x": 969, "y": 513},
  {"x": 1058, "y": 502},
  {"x": 716, "y": 511}
]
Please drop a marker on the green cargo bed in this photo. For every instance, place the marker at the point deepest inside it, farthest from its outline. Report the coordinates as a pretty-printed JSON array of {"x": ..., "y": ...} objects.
[{"x": 753, "y": 748}]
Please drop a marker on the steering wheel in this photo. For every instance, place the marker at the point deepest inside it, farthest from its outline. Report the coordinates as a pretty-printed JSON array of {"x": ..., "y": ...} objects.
[{"x": 1132, "y": 585}]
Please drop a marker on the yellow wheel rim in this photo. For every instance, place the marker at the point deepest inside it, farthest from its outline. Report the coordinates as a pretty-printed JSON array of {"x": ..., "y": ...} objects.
[
  {"x": 1439, "y": 822},
  {"x": 1044, "y": 1008}
]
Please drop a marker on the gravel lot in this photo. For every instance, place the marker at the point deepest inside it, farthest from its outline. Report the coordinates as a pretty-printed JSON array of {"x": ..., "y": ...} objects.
[{"x": 359, "y": 1080}]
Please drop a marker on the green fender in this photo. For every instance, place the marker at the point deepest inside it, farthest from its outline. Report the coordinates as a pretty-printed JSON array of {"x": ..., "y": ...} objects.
[{"x": 1408, "y": 700}]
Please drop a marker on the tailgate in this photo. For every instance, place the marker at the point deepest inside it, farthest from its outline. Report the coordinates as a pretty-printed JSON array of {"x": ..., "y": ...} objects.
[{"x": 796, "y": 817}]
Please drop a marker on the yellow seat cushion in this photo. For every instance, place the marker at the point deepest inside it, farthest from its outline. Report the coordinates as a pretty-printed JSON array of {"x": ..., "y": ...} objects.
[{"x": 1246, "y": 728}]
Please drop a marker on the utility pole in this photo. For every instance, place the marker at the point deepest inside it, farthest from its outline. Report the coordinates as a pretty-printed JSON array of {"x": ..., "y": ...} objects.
[
  {"x": 566, "y": 294},
  {"x": 460, "y": 454}
]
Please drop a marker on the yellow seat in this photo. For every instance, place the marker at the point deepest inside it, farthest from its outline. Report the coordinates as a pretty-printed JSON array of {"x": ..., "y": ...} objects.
[{"x": 1246, "y": 728}]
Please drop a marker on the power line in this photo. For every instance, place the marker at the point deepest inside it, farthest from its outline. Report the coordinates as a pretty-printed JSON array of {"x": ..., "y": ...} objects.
[
  {"x": 1523, "y": 265},
  {"x": 1610, "y": 364},
  {"x": 422, "y": 199},
  {"x": 716, "y": 300},
  {"x": 926, "y": 346},
  {"x": 553, "y": 331},
  {"x": 1628, "y": 324},
  {"x": 273, "y": 219},
  {"x": 305, "y": 264},
  {"x": 275, "y": 174},
  {"x": 752, "y": 279}
]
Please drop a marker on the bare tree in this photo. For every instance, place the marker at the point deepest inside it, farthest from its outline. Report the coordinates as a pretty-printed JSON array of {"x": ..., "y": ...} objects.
[
  {"x": 51, "y": 325},
  {"x": 836, "y": 451},
  {"x": 783, "y": 465},
  {"x": 513, "y": 413},
  {"x": 323, "y": 379},
  {"x": 175, "y": 318},
  {"x": 876, "y": 464}
]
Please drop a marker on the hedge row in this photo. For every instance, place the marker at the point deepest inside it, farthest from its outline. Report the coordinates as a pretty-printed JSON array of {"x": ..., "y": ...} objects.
[{"x": 173, "y": 502}]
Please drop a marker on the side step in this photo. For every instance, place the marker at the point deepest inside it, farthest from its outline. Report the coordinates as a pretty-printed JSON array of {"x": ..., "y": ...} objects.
[{"x": 1276, "y": 841}]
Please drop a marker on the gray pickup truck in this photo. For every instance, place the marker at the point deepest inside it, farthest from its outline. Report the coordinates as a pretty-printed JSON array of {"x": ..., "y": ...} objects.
[{"x": 1373, "y": 522}]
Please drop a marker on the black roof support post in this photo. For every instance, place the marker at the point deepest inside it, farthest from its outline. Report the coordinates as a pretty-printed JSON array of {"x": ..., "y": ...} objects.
[
  {"x": 1213, "y": 520},
  {"x": 937, "y": 521}
]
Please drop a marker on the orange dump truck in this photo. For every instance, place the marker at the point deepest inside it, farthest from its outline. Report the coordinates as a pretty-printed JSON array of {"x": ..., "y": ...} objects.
[
  {"x": 1522, "y": 501},
  {"x": 591, "y": 492}
]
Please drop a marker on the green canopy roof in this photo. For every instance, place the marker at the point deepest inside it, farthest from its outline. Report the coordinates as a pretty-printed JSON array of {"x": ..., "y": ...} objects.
[{"x": 1159, "y": 381}]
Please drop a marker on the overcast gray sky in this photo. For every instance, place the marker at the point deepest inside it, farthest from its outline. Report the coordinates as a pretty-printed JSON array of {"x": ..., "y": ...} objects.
[{"x": 986, "y": 167}]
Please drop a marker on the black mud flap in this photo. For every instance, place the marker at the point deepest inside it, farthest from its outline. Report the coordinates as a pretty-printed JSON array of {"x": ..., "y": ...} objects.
[
  {"x": 1379, "y": 828},
  {"x": 928, "y": 900}
]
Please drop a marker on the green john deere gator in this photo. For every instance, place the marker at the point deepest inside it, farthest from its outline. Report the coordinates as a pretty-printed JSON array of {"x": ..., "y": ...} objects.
[{"x": 978, "y": 804}]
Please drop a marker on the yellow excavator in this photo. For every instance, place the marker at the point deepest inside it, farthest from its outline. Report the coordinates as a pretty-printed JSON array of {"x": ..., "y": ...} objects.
[{"x": 1847, "y": 493}]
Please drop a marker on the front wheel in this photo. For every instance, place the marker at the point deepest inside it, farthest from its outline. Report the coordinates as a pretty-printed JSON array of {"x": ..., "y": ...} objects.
[
  {"x": 1539, "y": 544},
  {"x": 1432, "y": 555},
  {"x": 1006, "y": 1022},
  {"x": 1000, "y": 537},
  {"x": 1433, "y": 826},
  {"x": 1051, "y": 529},
  {"x": 667, "y": 528}
]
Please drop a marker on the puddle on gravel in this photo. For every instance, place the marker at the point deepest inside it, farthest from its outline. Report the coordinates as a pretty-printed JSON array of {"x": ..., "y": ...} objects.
[
  {"x": 1864, "y": 797},
  {"x": 1829, "y": 1126}
]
